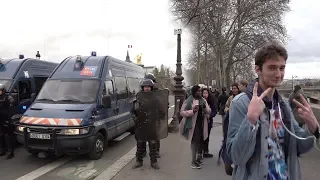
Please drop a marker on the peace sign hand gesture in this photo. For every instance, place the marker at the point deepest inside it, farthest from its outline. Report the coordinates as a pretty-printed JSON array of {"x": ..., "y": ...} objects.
[
  {"x": 256, "y": 106},
  {"x": 306, "y": 113}
]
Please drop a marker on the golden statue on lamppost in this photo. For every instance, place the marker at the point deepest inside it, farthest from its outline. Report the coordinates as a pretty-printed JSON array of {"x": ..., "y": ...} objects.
[{"x": 138, "y": 59}]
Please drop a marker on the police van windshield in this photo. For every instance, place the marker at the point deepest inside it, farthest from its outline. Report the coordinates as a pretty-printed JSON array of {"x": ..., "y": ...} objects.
[
  {"x": 7, "y": 83},
  {"x": 69, "y": 91}
]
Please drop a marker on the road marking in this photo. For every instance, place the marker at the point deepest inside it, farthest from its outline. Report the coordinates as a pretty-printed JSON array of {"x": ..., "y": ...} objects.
[
  {"x": 124, "y": 135},
  {"x": 117, "y": 166},
  {"x": 172, "y": 106},
  {"x": 44, "y": 169},
  {"x": 169, "y": 120}
]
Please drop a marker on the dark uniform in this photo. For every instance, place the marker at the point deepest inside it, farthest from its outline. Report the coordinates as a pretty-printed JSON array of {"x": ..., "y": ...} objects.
[
  {"x": 153, "y": 78},
  {"x": 6, "y": 127},
  {"x": 141, "y": 145}
]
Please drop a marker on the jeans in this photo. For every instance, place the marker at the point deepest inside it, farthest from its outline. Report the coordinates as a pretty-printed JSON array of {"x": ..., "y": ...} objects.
[{"x": 195, "y": 148}]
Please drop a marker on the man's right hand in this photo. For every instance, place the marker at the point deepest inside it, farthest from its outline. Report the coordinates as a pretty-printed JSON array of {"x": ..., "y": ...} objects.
[{"x": 256, "y": 106}]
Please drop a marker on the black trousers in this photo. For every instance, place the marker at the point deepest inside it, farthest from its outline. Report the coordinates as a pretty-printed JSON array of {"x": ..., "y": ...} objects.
[
  {"x": 196, "y": 149},
  {"x": 7, "y": 138},
  {"x": 158, "y": 146},
  {"x": 206, "y": 142},
  {"x": 141, "y": 150}
]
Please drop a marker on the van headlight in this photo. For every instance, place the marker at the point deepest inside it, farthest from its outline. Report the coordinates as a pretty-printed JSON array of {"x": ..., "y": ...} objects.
[
  {"x": 20, "y": 128},
  {"x": 74, "y": 131}
]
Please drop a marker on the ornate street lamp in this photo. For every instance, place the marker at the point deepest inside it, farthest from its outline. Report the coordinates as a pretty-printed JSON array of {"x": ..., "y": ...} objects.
[{"x": 179, "y": 93}]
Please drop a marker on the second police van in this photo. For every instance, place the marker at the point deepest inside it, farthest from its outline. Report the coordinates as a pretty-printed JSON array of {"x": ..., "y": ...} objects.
[
  {"x": 23, "y": 79},
  {"x": 84, "y": 103}
]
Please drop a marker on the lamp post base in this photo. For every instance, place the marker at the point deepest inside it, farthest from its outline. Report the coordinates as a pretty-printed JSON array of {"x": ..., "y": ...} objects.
[{"x": 174, "y": 126}]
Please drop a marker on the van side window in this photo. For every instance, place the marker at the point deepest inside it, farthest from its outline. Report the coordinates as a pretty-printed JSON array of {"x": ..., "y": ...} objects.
[
  {"x": 134, "y": 86},
  {"x": 108, "y": 89},
  {"x": 24, "y": 90},
  {"x": 121, "y": 87},
  {"x": 39, "y": 81}
]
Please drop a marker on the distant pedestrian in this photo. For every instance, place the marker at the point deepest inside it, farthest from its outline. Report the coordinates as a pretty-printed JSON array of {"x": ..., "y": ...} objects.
[
  {"x": 296, "y": 95},
  {"x": 243, "y": 84},
  {"x": 210, "y": 100},
  {"x": 222, "y": 100}
]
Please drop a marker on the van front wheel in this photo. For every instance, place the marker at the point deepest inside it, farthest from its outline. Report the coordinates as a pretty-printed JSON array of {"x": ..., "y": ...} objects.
[{"x": 97, "y": 147}]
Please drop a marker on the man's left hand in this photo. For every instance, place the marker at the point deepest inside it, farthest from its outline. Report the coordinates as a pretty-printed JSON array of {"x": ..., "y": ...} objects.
[{"x": 306, "y": 113}]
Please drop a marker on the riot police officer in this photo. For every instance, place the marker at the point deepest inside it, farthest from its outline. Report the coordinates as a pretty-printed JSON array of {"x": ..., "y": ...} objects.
[
  {"x": 155, "y": 87},
  {"x": 146, "y": 85},
  {"x": 6, "y": 126}
]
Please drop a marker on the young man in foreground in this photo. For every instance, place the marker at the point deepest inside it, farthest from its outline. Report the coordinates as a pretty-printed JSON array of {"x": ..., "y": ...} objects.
[{"x": 257, "y": 143}]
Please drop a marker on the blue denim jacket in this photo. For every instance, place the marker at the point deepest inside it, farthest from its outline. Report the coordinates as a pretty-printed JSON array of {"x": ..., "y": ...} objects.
[{"x": 247, "y": 145}]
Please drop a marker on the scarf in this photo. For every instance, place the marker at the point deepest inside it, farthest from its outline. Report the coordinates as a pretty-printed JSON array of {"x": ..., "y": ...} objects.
[{"x": 188, "y": 123}]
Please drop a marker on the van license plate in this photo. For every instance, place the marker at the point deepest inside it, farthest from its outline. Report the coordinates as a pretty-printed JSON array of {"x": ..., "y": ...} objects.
[{"x": 39, "y": 136}]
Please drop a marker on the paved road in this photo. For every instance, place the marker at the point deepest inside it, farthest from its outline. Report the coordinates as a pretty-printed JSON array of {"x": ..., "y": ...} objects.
[{"x": 65, "y": 168}]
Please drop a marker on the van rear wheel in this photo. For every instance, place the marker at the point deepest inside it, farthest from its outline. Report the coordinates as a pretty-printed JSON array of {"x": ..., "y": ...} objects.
[{"x": 97, "y": 147}]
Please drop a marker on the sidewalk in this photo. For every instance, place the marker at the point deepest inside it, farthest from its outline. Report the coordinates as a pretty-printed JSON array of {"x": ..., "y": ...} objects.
[{"x": 175, "y": 161}]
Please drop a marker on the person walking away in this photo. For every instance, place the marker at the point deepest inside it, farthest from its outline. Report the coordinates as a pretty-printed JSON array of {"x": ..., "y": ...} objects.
[
  {"x": 222, "y": 100},
  {"x": 258, "y": 141},
  {"x": 296, "y": 95},
  {"x": 235, "y": 91},
  {"x": 194, "y": 125},
  {"x": 147, "y": 85},
  {"x": 7, "y": 136},
  {"x": 210, "y": 100}
]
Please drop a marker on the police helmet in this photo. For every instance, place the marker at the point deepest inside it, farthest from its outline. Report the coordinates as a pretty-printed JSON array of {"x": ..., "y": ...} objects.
[
  {"x": 147, "y": 82},
  {"x": 150, "y": 76},
  {"x": 3, "y": 88}
]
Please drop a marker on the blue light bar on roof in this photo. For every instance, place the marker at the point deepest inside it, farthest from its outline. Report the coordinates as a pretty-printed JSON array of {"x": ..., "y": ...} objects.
[
  {"x": 21, "y": 56},
  {"x": 93, "y": 53}
]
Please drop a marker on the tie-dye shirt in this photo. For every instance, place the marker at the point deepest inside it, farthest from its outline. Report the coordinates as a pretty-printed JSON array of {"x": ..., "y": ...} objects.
[{"x": 278, "y": 169}]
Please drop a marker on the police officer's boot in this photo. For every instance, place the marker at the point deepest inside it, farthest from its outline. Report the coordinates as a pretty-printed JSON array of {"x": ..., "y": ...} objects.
[
  {"x": 139, "y": 155},
  {"x": 153, "y": 154},
  {"x": 10, "y": 155},
  {"x": 138, "y": 163},
  {"x": 158, "y": 149}
]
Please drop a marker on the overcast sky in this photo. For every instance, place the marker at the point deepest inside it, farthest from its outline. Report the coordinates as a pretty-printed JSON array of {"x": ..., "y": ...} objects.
[{"x": 62, "y": 28}]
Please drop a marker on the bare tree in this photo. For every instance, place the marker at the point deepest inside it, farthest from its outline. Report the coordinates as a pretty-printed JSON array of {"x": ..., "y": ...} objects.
[{"x": 230, "y": 32}]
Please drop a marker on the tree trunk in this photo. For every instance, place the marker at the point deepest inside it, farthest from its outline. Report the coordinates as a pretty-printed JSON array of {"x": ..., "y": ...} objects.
[
  {"x": 206, "y": 64},
  {"x": 199, "y": 46}
]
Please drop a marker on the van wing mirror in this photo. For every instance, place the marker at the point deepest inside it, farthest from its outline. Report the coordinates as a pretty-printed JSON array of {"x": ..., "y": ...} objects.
[
  {"x": 106, "y": 101},
  {"x": 33, "y": 97}
]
